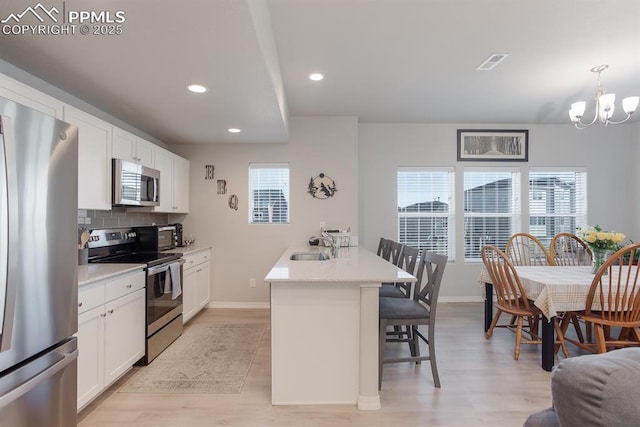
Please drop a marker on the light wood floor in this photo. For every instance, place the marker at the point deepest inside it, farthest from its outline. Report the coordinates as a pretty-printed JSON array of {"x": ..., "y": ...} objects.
[{"x": 482, "y": 385}]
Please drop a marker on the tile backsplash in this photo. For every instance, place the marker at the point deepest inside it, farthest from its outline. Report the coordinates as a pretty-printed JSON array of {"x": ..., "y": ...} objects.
[{"x": 118, "y": 217}]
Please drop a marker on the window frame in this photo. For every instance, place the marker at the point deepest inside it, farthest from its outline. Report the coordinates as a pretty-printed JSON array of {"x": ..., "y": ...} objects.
[
  {"x": 285, "y": 192},
  {"x": 515, "y": 215},
  {"x": 450, "y": 214},
  {"x": 580, "y": 214}
]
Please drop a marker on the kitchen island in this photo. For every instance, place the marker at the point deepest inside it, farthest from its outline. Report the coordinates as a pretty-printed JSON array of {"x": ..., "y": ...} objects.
[{"x": 324, "y": 327}]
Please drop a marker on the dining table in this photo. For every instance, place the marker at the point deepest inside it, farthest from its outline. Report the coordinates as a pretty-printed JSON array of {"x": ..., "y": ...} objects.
[{"x": 554, "y": 290}]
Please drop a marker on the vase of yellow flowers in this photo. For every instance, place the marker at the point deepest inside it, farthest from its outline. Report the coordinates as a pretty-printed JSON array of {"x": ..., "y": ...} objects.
[{"x": 600, "y": 242}]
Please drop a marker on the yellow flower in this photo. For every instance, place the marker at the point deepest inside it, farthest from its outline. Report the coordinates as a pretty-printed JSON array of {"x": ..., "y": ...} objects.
[{"x": 597, "y": 238}]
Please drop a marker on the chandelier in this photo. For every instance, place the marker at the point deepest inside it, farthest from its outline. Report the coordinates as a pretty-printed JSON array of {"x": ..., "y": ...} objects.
[{"x": 604, "y": 106}]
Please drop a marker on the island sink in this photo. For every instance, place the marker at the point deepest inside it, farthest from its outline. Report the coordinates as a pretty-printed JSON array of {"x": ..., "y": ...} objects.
[{"x": 309, "y": 256}]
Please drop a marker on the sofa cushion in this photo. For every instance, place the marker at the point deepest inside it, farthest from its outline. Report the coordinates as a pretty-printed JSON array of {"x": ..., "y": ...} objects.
[
  {"x": 544, "y": 418},
  {"x": 598, "y": 390}
]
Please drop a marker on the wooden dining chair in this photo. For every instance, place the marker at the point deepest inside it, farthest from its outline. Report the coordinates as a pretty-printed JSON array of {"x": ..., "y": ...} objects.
[
  {"x": 511, "y": 299},
  {"x": 420, "y": 310},
  {"x": 613, "y": 301},
  {"x": 407, "y": 262},
  {"x": 526, "y": 249},
  {"x": 567, "y": 249}
]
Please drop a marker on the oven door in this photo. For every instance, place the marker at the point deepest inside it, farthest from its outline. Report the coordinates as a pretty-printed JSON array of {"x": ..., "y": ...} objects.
[{"x": 162, "y": 306}]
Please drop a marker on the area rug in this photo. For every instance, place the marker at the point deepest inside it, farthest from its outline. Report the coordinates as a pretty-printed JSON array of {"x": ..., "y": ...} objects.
[{"x": 208, "y": 359}]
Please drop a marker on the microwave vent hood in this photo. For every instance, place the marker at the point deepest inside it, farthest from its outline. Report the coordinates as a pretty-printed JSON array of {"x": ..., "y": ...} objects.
[{"x": 135, "y": 185}]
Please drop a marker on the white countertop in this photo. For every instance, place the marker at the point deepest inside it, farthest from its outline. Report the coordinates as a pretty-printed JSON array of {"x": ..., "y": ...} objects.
[
  {"x": 354, "y": 264},
  {"x": 90, "y": 273},
  {"x": 188, "y": 250}
]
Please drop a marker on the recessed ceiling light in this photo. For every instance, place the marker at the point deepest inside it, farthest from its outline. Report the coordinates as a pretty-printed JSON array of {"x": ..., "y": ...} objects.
[
  {"x": 234, "y": 130},
  {"x": 316, "y": 77},
  {"x": 197, "y": 88}
]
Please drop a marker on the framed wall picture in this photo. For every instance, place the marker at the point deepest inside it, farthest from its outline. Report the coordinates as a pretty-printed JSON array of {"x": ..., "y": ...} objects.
[{"x": 491, "y": 145}]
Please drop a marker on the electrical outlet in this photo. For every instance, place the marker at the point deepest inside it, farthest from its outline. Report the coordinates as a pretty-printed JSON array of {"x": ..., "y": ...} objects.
[{"x": 252, "y": 283}]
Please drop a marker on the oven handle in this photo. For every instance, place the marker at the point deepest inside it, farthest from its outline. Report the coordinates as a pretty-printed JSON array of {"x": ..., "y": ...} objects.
[{"x": 161, "y": 268}]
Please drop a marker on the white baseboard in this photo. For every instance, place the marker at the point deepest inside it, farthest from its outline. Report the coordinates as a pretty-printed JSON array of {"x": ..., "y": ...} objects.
[
  {"x": 461, "y": 299},
  {"x": 235, "y": 304}
]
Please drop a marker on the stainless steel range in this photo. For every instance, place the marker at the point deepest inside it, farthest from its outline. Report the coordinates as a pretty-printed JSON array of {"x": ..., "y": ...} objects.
[{"x": 163, "y": 285}]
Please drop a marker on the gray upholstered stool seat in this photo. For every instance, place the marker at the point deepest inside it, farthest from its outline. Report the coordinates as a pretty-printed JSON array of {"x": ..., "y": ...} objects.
[
  {"x": 389, "y": 290},
  {"x": 402, "y": 308}
]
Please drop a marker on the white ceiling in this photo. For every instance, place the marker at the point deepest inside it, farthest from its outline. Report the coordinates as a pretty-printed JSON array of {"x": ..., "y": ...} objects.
[{"x": 383, "y": 61}]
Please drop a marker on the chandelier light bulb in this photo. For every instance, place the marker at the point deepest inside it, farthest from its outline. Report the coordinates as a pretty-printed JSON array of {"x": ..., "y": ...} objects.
[
  {"x": 630, "y": 104},
  {"x": 578, "y": 108}
]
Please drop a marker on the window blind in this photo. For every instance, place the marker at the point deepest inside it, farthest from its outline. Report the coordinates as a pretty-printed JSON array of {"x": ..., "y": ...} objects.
[
  {"x": 491, "y": 209},
  {"x": 269, "y": 193},
  {"x": 557, "y": 202},
  {"x": 426, "y": 209}
]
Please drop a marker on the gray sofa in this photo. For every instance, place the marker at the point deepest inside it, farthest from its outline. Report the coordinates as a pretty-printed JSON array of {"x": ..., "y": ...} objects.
[{"x": 594, "y": 390}]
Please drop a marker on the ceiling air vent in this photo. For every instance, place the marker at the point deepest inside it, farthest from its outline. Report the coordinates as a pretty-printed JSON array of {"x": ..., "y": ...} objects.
[{"x": 493, "y": 60}]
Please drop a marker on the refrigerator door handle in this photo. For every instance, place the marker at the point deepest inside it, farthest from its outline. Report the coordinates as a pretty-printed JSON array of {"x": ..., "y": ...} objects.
[
  {"x": 35, "y": 380},
  {"x": 8, "y": 231}
]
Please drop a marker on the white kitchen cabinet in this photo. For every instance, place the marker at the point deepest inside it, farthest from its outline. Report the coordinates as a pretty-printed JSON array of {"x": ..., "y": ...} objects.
[
  {"x": 127, "y": 146},
  {"x": 91, "y": 356},
  {"x": 94, "y": 159},
  {"x": 196, "y": 289},
  {"x": 124, "y": 334},
  {"x": 181, "y": 184},
  {"x": 32, "y": 98},
  {"x": 174, "y": 181},
  {"x": 189, "y": 306},
  {"x": 111, "y": 332}
]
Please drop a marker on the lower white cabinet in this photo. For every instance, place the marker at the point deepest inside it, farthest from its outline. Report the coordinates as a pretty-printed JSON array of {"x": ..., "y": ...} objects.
[
  {"x": 111, "y": 332},
  {"x": 196, "y": 287}
]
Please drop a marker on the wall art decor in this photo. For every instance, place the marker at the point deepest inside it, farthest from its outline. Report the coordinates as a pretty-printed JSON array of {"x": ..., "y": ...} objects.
[
  {"x": 322, "y": 187},
  {"x": 222, "y": 186},
  {"x": 490, "y": 145},
  {"x": 233, "y": 202},
  {"x": 209, "y": 171}
]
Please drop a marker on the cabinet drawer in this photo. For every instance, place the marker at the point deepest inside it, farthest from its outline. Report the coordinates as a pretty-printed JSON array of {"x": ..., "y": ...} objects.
[
  {"x": 197, "y": 258},
  {"x": 124, "y": 285},
  {"x": 90, "y": 297}
]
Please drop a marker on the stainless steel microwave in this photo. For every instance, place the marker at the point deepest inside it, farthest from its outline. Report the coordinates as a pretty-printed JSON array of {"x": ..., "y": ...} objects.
[{"x": 135, "y": 185}]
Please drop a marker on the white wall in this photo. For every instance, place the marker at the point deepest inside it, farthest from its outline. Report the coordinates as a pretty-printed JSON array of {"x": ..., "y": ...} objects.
[
  {"x": 634, "y": 185},
  {"x": 605, "y": 152},
  {"x": 242, "y": 251}
]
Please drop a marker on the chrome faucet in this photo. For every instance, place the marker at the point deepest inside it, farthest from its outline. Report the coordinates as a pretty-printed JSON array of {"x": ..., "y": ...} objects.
[{"x": 332, "y": 242}]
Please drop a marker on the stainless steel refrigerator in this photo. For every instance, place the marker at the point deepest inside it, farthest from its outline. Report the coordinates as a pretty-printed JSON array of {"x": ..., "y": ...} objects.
[{"x": 38, "y": 268}]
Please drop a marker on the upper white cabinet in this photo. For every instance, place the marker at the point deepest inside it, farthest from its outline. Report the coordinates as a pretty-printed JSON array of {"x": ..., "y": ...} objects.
[
  {"x": 32, "y": 98},
  {"x": 98, "y": 143},
  {"x": 181, "y": 184},
  {"x": 94, "y": 159},
  {"x": 174, "y": 181},
  {"x": 129, "y": 147}
]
